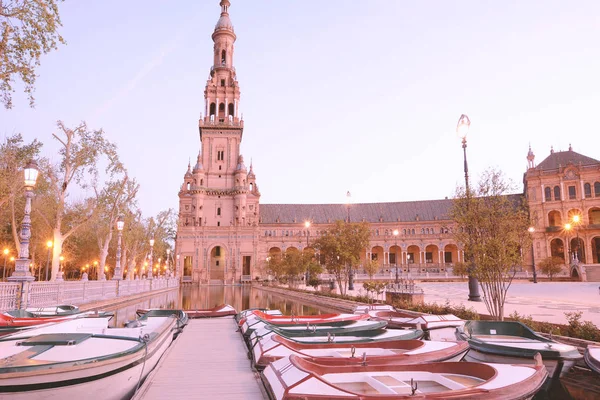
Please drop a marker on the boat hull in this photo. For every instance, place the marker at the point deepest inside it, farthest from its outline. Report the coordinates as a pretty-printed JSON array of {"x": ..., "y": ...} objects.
[
  {"x": 297, "y": 378},
  {"x": 112, "y": 378},
  {"x": 560, "y": 367}
]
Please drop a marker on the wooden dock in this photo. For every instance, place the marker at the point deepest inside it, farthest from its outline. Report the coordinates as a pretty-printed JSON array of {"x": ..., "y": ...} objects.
[{"x": 207, "y": 361}]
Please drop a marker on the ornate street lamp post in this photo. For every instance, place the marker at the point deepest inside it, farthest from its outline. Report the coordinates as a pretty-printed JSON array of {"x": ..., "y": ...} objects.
[
  {"x": 576, "y": 220},
  {"x": 4, "y": 269},
  {"x": 568, "y": 228},
  {"x": 462, "y": 128},
  {"x": 350, "y": 272},
  {"x": 531, "y": 231},
  {"x": 21, "y": 273},
  {"x": 169, "y": 262},
  {"x": 120, "y": 225},
  {"x": 307, "y": 226},
  {"x": 396, "y": 252},
  {"x": 151, "y": 257}
]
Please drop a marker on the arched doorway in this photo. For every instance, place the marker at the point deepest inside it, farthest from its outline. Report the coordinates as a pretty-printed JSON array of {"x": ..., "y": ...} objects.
[
  {"x": 596, "y": 250},
  {"x": 578, "y": 248},
  {"x": 377, "y": 255},
  {"x": 216, "y": 263},
  {"x": 575, "y": 273}
]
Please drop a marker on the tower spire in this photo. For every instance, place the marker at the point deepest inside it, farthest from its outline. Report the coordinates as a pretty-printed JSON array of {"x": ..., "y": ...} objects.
[{"x": 222, "y": 92}]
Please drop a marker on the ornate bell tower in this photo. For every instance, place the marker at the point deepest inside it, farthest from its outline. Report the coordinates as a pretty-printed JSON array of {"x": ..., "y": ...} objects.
[{"x": 218, "y": 198}]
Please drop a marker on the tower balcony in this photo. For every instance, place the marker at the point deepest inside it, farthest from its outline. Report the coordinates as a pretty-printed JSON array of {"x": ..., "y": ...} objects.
[{"x": 224, "y": 121}]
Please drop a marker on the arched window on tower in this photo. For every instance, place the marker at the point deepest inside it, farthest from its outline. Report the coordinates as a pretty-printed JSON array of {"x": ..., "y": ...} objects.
[
  {"x": 219, "y": 211},
  {"x": 213, "y": 109},
  {"x": 223, "y": 57},
  {"x": 556, "y": 193},
  {"x": 597, "y": 189},
  {"x": 221, "y": 110},
  {"x": 548, "y": 194},
  {"x": 231, "y": 110}
]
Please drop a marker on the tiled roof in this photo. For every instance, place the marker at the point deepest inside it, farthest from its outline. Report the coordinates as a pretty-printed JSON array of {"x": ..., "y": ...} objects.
[
  {"x": 562, "y": 158},
  {"x": 406, "y": 211},
  {"x": 427, "y": 210}
]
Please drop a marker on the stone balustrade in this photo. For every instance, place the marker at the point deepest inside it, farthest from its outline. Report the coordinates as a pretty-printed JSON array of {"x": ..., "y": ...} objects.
[{"x": 15, "y": 295}]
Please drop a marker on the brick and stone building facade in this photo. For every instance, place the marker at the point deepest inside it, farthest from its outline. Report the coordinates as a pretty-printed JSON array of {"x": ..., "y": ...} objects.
[{"x": 225, "y": 234}]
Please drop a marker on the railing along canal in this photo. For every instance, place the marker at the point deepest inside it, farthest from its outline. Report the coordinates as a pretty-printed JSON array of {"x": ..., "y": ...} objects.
[{"x": 42, "y": 294}]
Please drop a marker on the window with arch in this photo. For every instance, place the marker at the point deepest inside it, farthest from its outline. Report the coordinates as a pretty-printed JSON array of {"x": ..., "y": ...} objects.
[
  {"x": 548, "y": 194},
  {"x": 556, "y": 193},
  {"x": 188, "y": 185},
  {"x": 201, "y": 182},
  {"x": 587, "y": 190},
  {"x": 597, "y": 189},
  {"x": 412, "y": 232},
  {"x": 218, "y": 210},
  {"x": 404, "y": 231},
  {"x": 223, "y": 57},
  {"x": 213, "y": 109},
  {"x": 231, "y": 109}
]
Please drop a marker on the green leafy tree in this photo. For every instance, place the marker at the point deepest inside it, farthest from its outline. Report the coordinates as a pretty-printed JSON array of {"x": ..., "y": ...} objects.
[
  {"x": 341, "y": 246},
  {"x": 551, "y": 266},
  {"x": 492, "y": 227},
  {"x": 14, "y": 154},
  {"x": 371, "y": 267},
  {"x": 28, "y": 29}
]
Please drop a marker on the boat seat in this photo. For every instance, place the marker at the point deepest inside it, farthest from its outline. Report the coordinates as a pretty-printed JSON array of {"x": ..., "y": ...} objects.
[{"x": 55, "y": 339}]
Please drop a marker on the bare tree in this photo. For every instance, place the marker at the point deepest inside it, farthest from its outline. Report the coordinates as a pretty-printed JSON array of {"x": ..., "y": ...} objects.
[
  {"x": 492, "y": 227},
  {"x": 116, "y": 197},
  {"x": 81, "y": 152}
]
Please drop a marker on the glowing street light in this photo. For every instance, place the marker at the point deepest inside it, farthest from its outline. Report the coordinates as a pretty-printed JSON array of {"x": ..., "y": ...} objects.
[
  {"x": 120, "y": 225},
  {"x": 21, "y": 272},
  {"x": 396, "y": 232}
]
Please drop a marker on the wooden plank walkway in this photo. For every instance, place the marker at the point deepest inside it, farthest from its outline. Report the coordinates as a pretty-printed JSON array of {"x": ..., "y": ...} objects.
[{"x": 207, "y": 361}]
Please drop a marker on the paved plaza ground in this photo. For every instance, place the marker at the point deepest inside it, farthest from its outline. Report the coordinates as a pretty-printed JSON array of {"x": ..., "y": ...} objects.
[{"x": 544, "y": 301}]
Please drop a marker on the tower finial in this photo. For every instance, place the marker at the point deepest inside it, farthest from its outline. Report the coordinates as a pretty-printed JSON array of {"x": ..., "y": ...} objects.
[
  {"x": 225, "y": 4},
  {"x": 570, "y": 148}
]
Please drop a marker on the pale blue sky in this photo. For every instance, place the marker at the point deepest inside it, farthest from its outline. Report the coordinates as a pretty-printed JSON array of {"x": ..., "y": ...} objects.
[{"x": 337, "y": 96}]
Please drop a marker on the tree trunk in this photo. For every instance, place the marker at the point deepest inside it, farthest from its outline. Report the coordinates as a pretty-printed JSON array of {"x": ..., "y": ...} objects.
[{"x": 57, "y": 242}]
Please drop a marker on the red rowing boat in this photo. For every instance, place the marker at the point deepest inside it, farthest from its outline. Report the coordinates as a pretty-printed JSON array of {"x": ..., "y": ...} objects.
[{"x": 10, "y": 324}]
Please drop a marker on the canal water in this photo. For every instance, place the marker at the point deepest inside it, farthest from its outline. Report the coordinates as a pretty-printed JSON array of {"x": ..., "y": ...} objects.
[{"x": 193, "y": 297}]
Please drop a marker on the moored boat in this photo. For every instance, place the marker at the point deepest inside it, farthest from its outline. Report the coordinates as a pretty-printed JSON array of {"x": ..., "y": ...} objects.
[
  {"x": 82, "y": 357},
  {"x": 302, "y": 378},
  {"x": 247, "y": 312},
  {"x": 19, "y": 320},
  {"x": 365, "y": 308},
  {"x": 320, "y": 330},
  {"x": 322, "y": 319},
  {"x": 436, "y": 327},
  {"x": 514, "y": 343},
  {"x": 264, "y": 339},
  {"x": 62, "y": 309},
  {"x": 592, "y": 358},
  {"x": 397, "y": 351},
  {"x": 222, "y": 310}
]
